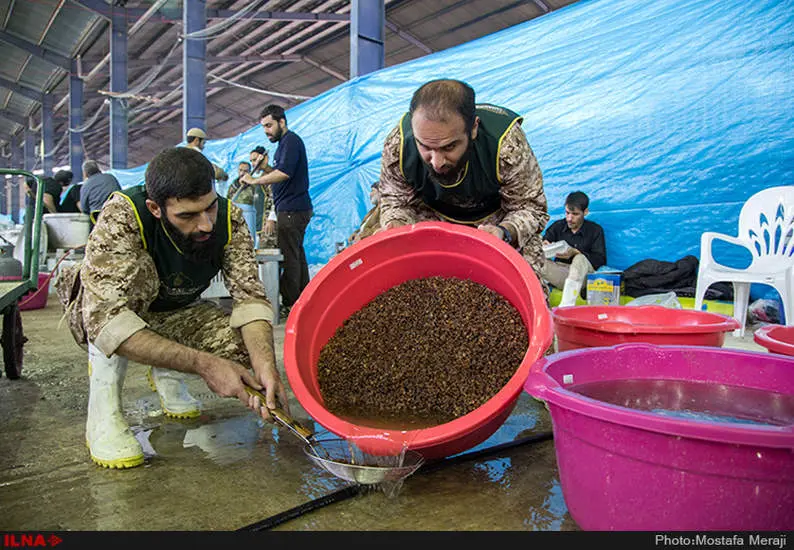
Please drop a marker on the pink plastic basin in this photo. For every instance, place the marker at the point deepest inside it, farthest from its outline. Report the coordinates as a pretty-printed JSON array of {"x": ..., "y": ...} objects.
[
  {"x": 626, "y": 469},
  {"x": 595, "y": 326},
  {"x": 363, "y": 271},
  {"x": 776, "y": 338},
  {"x": 37, "y": 299}
]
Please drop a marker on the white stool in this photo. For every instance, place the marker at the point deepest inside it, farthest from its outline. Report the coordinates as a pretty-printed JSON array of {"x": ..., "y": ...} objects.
[{"x": 269, "y": 260}]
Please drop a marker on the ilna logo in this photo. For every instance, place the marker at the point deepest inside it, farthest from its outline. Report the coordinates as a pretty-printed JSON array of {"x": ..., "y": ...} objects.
[{"x": 31, "y": 540}]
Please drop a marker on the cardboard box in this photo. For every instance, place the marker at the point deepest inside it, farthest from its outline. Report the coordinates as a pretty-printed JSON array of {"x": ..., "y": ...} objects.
[{"x": 603, "y": 288}]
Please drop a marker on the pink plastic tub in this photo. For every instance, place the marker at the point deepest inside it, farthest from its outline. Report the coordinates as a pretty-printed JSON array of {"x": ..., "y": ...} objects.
[
  {"x": 363, "y": 271},
  {"x": 626, "y": 469},
  {"x": 37, "y": 299},
  {"x": 595, "y": 326},
  {"x": 776, "y": 338}
]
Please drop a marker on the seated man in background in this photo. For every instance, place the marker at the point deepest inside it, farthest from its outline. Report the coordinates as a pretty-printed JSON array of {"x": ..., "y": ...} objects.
[
  {"x": 96, "y": 189},
  {"x": 371, "y": 222},
  {"x": 586, "y": 253},
  {"x": 136, "y": 296},
  {"x": 450, "y": 159}
]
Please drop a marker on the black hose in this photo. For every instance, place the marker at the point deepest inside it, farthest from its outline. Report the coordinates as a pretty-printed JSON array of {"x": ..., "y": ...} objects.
[
  {"x": 353, "y": 490},
  {"x": 472, "y": 455},
  {"x": 305, "y": 508}
]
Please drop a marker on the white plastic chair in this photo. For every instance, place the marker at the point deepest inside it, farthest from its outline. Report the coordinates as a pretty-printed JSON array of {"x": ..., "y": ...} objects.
[{"x": 766, "y": 230}]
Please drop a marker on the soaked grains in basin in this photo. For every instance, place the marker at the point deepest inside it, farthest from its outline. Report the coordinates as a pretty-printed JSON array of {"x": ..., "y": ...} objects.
[{"x": 424, "y": 352}]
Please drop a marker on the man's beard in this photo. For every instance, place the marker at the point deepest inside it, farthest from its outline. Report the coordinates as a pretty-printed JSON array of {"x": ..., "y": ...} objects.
[
  {"x": 452, "y": 175},
  {"x": 195, "y": 251},
  {"x": 277, "y": 133}
]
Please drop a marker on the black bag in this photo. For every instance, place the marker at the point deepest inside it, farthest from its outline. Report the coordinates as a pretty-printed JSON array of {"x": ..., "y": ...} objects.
[{"x": 658, "y": 277}]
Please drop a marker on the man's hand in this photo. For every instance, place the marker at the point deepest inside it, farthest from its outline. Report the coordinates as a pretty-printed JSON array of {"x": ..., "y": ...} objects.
[
  {"x": 493, "y": 230},
  {"x": 275, "y": 394},
  {"x": 246, "y": 178},
  {"x": 258, "y": 338},
  {"x": 227, "y": 378},
  {"x": 390, "y": 225},
  {"x": 568, "y": 254},
  {"x": 270, "y": 228}
]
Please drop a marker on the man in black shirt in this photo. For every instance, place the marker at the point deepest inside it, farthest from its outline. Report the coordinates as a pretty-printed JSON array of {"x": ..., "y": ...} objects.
[
  {"x": 585, "y": 253},
  {"x": 70, "y": 192},
  {"x": 294, "y": 209},
  {"x": 52, "y": 194}
]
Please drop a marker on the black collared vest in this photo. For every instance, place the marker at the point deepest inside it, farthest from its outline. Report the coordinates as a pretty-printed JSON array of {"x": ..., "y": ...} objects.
[
  {"x": 181, "y": 280},
  {"x": 476, "y": 195}
]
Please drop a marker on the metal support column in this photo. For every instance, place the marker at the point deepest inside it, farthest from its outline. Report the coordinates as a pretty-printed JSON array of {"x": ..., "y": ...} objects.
[
  {"x": 118, "y": 83},
  {"x": 13, "y": 184},
  {"x": 47, "y": 135},
  {"x": 75, "y": 121},
  {"x": 194, "y": 70},
  {"x": 10, "y": 183},
  {"x": 30, "y": 163},
  {"x": 3, "y": 192},
  {"x": 29, "y": 146},
  {"x": 367, "y": 36}
]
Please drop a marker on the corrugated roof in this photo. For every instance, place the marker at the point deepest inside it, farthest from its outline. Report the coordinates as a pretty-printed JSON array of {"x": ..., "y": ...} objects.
[{"x": 318, "y": 59}]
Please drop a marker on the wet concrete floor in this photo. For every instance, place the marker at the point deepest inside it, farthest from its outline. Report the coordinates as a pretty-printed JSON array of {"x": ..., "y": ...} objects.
[{"x": 227, "y": 470}]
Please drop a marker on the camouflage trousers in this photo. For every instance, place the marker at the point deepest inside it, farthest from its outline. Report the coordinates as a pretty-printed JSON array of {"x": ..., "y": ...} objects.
[
  {"x": 203, "y": 325},
  {"x": 266, "y": 241}
]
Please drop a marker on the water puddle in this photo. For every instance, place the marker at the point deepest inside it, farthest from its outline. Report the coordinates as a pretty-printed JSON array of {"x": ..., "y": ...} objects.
[{"x": 246, "y": 471}]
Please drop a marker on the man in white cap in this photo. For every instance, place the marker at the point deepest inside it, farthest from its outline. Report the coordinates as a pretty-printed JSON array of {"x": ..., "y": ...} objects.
[{"x": 196, "y": 138}]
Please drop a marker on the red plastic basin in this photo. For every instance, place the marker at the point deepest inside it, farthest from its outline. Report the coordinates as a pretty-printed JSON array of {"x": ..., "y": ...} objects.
[
  {"x": 363, "y": 271},
  {"x": 776, "y": 338},
  {"x": 597, "y": 326}
]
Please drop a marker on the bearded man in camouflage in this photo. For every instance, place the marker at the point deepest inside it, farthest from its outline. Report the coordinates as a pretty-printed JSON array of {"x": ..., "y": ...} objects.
[
  {"x": 154, "y": 250},
  {"x": 451, "y": 160}
]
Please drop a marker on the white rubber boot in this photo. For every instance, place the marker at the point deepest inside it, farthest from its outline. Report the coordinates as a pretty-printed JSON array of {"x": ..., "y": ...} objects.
[
  {"x": 109, "y": 438},
  {"x": 570, "y": 292},
  {"x": 174, "y": 397}
]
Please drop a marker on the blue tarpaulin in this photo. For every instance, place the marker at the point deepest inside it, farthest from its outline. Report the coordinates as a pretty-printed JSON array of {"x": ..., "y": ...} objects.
[{"x": 669, "y": 114}]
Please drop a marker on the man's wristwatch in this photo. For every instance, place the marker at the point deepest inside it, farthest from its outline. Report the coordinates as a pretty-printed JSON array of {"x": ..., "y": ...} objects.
[{"x": 506, "y": 235}]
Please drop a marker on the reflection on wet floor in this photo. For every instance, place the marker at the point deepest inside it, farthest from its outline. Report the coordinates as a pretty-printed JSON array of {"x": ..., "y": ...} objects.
[
  {"x": 228, "y": 470},
  {"x": 235, "y": 462}
]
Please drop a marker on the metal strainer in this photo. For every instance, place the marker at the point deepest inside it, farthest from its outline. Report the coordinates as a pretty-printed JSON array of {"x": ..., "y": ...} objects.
[{"x": 343, "y": 459}]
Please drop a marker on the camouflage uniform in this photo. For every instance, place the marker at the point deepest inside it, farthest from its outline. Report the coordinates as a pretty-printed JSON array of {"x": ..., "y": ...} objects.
[
  {"x": 261, "y": 196},
  {"x": 107, "y": 296},
  {"x": 240, "y": 193},
  {"x": 523, "y": 204},
  {"x": 267, "y": 241},
  {"x": 369, "y": 224}
]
